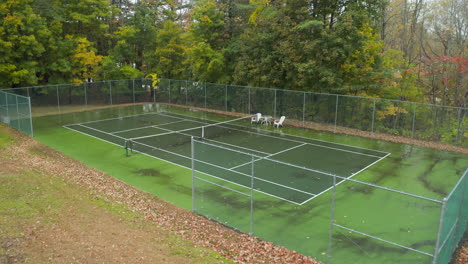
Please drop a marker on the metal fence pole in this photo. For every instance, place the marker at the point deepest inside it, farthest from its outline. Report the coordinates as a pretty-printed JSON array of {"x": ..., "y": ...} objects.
[
  {"x": 439, "y": 233},
  {"x": 86, "y": 94},
  {"x": 204, "y": 85},
  {"x": 30, "y": 117},
  {"x": 110, "y": 92},
  {"x": 169, "y": 90},
  {"x": 58, "y": 98},
  {"x": 186, "y": 92},
  {"x": 414, "y": 120},
  {"x": 274, "y": 105},
  {"x": 252, "y": 196},
  {"x": 193, "y": 172},
  {"x": 7, "y": 109},
  {"x": 332, "y": 220},
  {"x": 457, "y": 136},
  {"x": 373, "y": 117},
  {"x": 249, "y": 101},
  {"x": 133, "y": 90},
  {"x": 18, "y": 114},
  {"x": 225, "y": 98},
  {"x": 336, "y": 112},
  {"x": 303, "y": 110}
]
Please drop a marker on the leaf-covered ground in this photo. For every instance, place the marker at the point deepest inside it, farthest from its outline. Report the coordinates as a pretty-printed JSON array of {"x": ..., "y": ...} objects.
[{"x": 54, "y": 209}]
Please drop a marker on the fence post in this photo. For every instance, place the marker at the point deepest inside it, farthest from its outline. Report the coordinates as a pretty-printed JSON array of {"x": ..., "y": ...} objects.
[
  {"x": 373, "y": 117},
  {"x": 133, "y": 90},
  {"x": 225, "y": 97},
  {"x": 414, "y": 120},
  {"x": 169, "y": 90},
  {"x": 303, "y": 109},
  {"x": 336, "y": 112},
  {"x": 252, "y": 196},
  {"x": 193, "y": 172},
  {"x": 439, "y": 233},
  {"x": 274, "y": 105},
  {"x": 249, "y": 101},
  {"x": 86, "y": 94},
  {"x": 7, "y": 109},
  {"x": 30, "y": 117},
  {"x": 110, "y": 91},
  {"x": 332, "y": 220},
  {"x": 58, "y": 98},
  {"x": 186, "y": 92},
  {"x": 204, "y": 84},
  {"x": 457, "y": 136},
  {"x": 18, "y": 114}
]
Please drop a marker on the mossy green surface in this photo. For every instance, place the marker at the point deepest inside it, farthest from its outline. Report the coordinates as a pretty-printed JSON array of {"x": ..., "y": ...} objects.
[{"x": 402, "y": 219}]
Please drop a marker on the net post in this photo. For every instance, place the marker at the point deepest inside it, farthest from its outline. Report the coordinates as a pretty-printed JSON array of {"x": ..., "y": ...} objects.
[
  {"x": 414, "y": 120},
  {"x": 439, "y": 233},
  {"x": 203, "y": 132},
  {"x": 58, "y": 98},
  {"x": 30, "y": 117},
  {"x": 332, "y": 220},
  {"x": 336, "y": 113},
  {"x": 192, "y": 146},
  {"x": 373, "y": 117},
  {"x": 252, "y": 196},
  {"x": 110, "y": 92},
  {"x": 303, "y": 110}
]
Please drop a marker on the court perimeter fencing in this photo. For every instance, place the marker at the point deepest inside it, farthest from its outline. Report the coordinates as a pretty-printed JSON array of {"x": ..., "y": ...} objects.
[
  {"x": 367, "y": 224},
  {"x": 440, "y": 223},
  {"x": 15, "y": 111},
  {"x": 428, "y": 122}
]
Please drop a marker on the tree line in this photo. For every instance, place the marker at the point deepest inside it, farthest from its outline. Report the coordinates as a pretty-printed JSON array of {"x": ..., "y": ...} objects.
[{"x": 399, "y": 49}]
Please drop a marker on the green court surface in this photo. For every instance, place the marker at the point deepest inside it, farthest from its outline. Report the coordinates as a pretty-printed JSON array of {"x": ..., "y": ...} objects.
[
  {"x": 291, "y": 167},
  {"x": 286, "y": 167}
]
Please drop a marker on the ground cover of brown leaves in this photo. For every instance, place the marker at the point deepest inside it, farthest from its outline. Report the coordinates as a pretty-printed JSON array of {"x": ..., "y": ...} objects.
[{"x": 242, "y": 248}]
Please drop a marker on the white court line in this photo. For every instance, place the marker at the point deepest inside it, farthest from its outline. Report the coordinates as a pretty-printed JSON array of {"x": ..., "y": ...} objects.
[
  {"x": 100, "y": 131},
  {"x": 182, "y": 119},
  {"x": 349, "y": 177},
  {"x": 189, "y": 158},
  {"x": 235, "y": 167},
  {"x": 126, "y": 130},
  {"x": 121, "y": 117},
  {"x": 273, "y": 132},
  {"x": 182, "y": 166},
  {"x": 296, "y": 141},
  {"x": 219, "y": 142}
]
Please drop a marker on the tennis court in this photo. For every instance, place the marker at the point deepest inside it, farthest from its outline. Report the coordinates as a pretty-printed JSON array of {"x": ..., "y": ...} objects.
[{"x": 290, "y": 168}]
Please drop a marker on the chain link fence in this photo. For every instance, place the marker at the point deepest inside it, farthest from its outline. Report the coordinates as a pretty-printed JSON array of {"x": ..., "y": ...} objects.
[
  {"x": 433, "y": 123},
  {"x": 15, "y": 111},
  {"x": 367, "y": 223}
]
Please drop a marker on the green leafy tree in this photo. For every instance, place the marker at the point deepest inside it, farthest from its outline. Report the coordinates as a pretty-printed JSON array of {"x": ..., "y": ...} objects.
[{"x": 23, "y": 37}]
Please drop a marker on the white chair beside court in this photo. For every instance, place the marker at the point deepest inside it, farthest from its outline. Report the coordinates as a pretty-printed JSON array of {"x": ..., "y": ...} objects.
[
  {"x": 279, "y": 122},
  {"x": 256, "y": 118}
]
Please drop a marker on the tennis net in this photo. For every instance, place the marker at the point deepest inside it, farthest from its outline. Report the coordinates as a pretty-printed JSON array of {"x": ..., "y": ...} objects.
[{"x": 177, "y": 142}]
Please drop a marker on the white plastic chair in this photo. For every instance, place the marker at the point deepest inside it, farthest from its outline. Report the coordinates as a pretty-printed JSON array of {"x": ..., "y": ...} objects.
[
  {"x": 279, "y": 122},
  {"x": 256, "y": 118}
]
